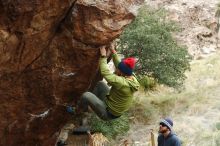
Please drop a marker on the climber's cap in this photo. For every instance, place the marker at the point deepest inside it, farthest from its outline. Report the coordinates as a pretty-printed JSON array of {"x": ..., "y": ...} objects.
[{"x": 127, "y": 65}]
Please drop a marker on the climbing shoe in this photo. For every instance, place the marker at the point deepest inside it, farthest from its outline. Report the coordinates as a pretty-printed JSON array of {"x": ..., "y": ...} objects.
[
  {"x": 61, "y": 143},
  {"x": 70, "y": 109}
]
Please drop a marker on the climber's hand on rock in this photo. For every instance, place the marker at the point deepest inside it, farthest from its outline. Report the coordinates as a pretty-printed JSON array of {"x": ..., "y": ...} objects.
[
  {"x": 102, "y": 51},
  {"x": 109, "y": 52},
  {"x": 112, "y": 47}
]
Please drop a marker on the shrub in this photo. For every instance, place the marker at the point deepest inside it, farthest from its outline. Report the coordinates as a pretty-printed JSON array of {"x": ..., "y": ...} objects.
[
  {"x": 146, "y": 82},
  {"x": 149, "y": 38},
  {"x": 112, "y": 128}
]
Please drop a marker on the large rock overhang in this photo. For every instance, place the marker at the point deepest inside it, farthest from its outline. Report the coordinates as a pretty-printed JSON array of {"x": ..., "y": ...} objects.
[{"x": 48, "y": 57}]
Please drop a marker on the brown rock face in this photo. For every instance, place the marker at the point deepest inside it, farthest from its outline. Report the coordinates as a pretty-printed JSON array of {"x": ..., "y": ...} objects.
[{"x": 49, "y": 57}]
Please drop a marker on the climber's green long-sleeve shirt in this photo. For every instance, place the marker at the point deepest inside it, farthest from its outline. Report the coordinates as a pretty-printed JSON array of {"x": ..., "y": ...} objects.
[{"x": 121, "y": 94}]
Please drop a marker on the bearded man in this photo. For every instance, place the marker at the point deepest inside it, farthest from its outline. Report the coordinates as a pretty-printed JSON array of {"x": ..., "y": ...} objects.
[{"x": 166, "y": 135}]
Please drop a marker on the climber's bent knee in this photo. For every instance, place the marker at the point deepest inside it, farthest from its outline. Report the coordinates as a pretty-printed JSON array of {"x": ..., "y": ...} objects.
[{"x": 86, "y": 95}]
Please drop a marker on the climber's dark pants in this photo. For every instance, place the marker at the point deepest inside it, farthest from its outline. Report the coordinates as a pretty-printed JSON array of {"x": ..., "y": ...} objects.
[{"x": 96, "y": 100}]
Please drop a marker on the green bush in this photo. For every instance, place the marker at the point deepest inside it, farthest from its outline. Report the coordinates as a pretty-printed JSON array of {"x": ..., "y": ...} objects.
[
  {"x": 112, "y": 128},
  {"x": 146, "y": 82},
  {"x": 149, "y": 38}
]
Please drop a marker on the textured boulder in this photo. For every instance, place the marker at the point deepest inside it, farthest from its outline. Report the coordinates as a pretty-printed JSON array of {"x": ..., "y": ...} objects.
[{"x": 48, "y": 58}]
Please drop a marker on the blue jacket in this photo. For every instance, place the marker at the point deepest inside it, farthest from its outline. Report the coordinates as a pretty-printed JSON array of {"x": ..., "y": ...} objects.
[{"x": 170, "y": 140}]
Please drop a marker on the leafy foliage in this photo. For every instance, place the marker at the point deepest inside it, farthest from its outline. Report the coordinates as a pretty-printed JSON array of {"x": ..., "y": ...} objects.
[
  {"x": 111, "y": 128},
  {"x": 150, "y": 40},
  {"x": 146, "y": 82}
]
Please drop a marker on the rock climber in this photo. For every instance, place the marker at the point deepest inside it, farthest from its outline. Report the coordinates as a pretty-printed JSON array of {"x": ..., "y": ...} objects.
[{"x": 111, "y": 102}]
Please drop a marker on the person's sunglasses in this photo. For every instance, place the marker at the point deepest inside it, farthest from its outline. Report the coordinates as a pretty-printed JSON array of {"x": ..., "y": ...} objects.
[{"x": 162, "y": 124}]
